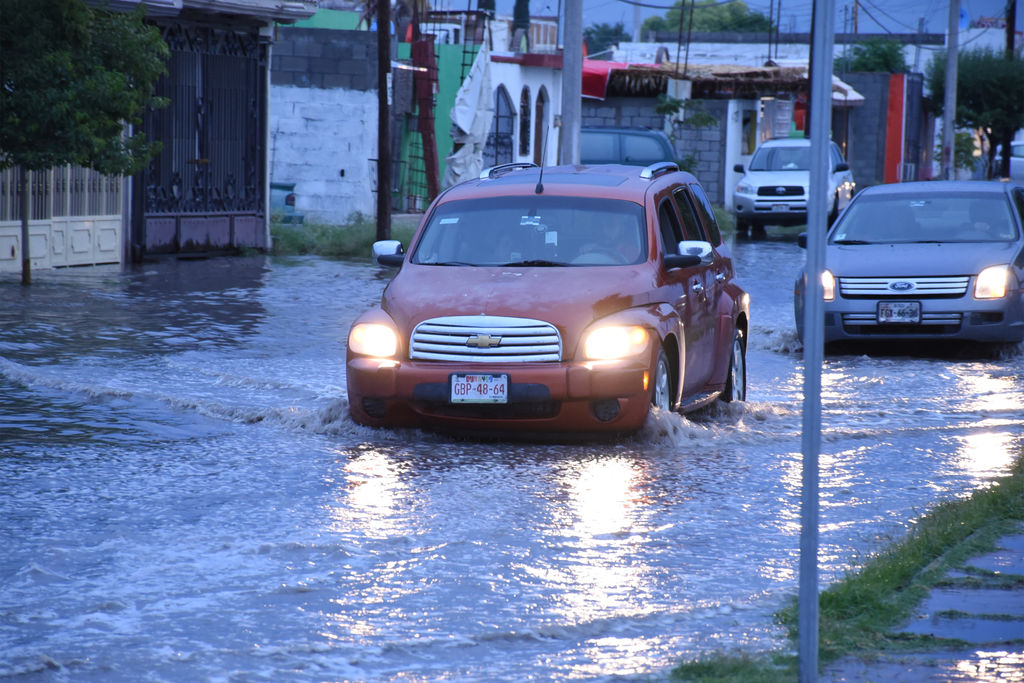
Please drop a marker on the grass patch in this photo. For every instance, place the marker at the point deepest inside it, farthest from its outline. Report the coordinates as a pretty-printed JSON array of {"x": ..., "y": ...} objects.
[
  {"x": 352, "y": 240},
  {"x": 858, "y": 613}
]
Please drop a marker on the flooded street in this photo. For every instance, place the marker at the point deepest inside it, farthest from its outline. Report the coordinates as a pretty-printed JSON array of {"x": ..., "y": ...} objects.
[{"x": 184, "y": 497}]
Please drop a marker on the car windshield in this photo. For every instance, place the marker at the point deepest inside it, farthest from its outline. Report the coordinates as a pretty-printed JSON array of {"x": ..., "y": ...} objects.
[
  {"x": 533, "y": 231},
  {"x": 781, "y": 159},
  {"x": 905, "y": 218}
]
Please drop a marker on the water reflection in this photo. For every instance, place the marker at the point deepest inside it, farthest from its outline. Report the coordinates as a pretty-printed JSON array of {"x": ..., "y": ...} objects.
[{"x": 990, "y": 667}]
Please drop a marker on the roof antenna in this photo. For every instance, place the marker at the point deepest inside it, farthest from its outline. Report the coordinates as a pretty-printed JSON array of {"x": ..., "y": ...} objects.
[{"x": 543, "y": 157}]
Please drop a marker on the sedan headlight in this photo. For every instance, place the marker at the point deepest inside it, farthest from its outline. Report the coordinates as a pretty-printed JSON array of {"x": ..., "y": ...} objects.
[
  {"x": 745, "y": 188},
  {"x": 992, "y": 282},
  {"x": 828, "y": 285},
  {"x": 615, "y": 342},
  {"x": 373, "y": 339}
]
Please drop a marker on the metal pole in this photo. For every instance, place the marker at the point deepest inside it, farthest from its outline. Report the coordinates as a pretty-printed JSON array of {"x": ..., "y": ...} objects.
[
  {"x": 572, "y": 83},
  {"x": 949, "y": 103},
  {"x": 820, "y": 107},
  {"x": 383, "y": 120}
]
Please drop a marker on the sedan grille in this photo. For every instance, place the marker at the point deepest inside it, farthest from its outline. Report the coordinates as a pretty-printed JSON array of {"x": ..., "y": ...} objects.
[
  {"x": 486, "y": 339},
  {"x": 903, "y": 287}
]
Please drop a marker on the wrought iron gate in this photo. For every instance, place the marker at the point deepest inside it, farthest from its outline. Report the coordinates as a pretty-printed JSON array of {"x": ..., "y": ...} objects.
[{"x": 205, "y": 191}]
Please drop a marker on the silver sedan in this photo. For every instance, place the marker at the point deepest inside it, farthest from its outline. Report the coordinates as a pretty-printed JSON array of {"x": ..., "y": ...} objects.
[{"x": 925, "y": 260}]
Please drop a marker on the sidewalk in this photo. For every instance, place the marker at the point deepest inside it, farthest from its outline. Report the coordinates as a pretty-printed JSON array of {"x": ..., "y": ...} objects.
[{"x": 983, "y": 606}]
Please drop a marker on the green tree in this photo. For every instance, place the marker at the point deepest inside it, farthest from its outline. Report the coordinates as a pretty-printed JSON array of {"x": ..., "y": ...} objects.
[
  {"x": 710, "y": 15},
  {"x": 600, "y": 37},
  {"x": 874, "y": 54},
  {"x": 989, "y": 97},
  {"x": 71, "y": 77}
]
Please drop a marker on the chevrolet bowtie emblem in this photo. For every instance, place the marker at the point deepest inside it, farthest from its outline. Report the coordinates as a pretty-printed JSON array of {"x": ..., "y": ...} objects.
[{"x": 483, "y": 341}]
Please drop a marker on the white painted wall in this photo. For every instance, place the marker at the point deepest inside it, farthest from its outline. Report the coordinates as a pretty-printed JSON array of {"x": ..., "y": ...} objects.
[
  {"x": 514, "y": 77},
  {"x": 315, "y": 134}
]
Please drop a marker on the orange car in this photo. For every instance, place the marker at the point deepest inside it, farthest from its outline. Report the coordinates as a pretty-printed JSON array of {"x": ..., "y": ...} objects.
[{"x": 558, "y": 300}]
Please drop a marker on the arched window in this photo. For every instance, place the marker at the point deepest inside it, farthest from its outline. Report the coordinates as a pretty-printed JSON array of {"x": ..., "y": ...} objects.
[
  {"x": 499, "y": 141},
  {"x": 524, "y": 122},
  {"x": 540, "y": 127}
]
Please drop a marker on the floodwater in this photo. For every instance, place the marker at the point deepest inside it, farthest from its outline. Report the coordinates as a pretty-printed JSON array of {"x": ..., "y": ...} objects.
[{"x": 183, "y": 496}]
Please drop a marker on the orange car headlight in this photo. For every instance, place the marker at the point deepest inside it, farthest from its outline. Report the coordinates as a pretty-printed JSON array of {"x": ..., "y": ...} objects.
[
  {"x": 614, "y": 342},
  {"x": 373, "y": 339}
]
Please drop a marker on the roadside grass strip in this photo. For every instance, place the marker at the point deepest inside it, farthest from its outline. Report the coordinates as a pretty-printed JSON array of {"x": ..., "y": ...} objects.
[
  {"x": 859, "y": 614},
  {"x": 354, "y": 239}
]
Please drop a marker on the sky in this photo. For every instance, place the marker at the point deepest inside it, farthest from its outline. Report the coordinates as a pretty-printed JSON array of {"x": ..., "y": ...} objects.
[{"x": 875, "y": 16}]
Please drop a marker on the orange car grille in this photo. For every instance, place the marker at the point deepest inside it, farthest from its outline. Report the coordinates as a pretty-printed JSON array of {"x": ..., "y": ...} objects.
[{"x": 486, "y": 339}]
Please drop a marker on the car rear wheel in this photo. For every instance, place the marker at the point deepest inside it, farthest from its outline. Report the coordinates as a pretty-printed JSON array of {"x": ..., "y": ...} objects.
[
  {"x": 736, "y": 379},
  {"x": 661, "y": 391}
]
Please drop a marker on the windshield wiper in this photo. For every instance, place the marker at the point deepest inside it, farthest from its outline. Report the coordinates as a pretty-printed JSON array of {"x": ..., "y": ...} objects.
[
  {"x": 853, "y": 242},
  {"x": 448, "y": 263},
  {"x": 534, "y": 262}
]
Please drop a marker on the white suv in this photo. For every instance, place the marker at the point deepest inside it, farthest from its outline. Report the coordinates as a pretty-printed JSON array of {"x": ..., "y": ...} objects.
[{"x": 774, "y": 189}]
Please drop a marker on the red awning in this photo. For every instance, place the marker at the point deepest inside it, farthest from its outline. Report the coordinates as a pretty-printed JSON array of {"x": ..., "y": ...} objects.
[{"x": 595, "y": 76}]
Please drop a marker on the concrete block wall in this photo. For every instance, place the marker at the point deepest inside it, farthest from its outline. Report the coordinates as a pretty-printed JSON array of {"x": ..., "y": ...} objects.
[
  {"x": 622, "y": 111},
  {"x": 706, "y": 145},
  {"x": 323, "y": 121},
  {"x": 867, "y": 128}
]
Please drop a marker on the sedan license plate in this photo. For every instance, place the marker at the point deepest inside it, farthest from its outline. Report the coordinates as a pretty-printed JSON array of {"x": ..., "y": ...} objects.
[
  {"x": 466, "y": 388},
  {"x": 780, "y": 208},
  {"x": 899, "y": 312}
]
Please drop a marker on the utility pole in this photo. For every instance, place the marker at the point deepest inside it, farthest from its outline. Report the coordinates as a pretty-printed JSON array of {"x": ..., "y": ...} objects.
[
  {"x": 383, "y": 120},
  {"x": 572, "y": 83},
  {"x": 819, "y": 109},
  {"x": 949, "y": 102}
]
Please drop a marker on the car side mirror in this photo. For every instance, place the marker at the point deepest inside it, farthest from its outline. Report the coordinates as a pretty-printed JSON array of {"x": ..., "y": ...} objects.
[
  {"x": 801, "y": 240},
  {"x": 691, "y": 253},
  {"x": 842, "y": 167},
  {"x": 389, "y": 252},
  {"x": 738, "y": 168}
]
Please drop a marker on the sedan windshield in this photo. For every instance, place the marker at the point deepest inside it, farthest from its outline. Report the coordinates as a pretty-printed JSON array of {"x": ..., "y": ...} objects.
[
  {"x": 905, "y": 218},
  {"x": 533, "y": 231}
]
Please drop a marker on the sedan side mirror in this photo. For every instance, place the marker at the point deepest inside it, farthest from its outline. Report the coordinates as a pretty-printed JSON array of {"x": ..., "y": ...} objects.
[
  {"x": 842, "y": 167},
  {"x": 389, "y": 252},
  {"x": 738, "y": 168},
  {"x": 801, "y": 240}
]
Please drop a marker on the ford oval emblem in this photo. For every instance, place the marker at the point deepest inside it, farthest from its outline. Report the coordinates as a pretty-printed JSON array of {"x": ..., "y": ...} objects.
[{"x": 901, "y": 286}]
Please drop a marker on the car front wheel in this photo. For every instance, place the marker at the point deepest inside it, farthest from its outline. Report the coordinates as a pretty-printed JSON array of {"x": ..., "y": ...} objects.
[
  {"x": 661, "y": 392},
  {"x": 736, "y": 379}
]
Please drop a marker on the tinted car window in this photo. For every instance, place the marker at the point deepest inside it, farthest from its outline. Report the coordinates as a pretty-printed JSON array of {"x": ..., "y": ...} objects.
[
  {"x": 691, "y": 226},
  {"x": 599, "y": 145},
  {"x": 707, "y": 214},
  {"x": 668, "y": 228},
  {"x": 641, "y": 148}
]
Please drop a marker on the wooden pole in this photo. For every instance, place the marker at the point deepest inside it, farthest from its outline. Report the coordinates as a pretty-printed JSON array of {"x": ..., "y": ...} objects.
[{"x": 25, "y": 177}]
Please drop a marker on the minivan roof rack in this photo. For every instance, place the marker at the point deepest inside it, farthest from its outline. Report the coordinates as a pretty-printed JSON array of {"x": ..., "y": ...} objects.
[
  {"x": 658, "y": 169},
  {"x": 502, "y": 169}
]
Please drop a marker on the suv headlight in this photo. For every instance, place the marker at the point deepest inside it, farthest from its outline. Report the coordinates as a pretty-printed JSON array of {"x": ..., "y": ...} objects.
[
  {"x": 615, "y": 342},
  {"x": 373, "y": 339},
  {"x": 992, "y": 282},
  {"x": 744, "y": 188}
]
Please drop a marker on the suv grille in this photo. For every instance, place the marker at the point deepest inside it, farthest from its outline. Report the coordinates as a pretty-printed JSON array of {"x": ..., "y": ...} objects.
[
  {"x": 786, "y": 191},
  {"x": 486, "y": 339},
  {"x": 922, "y": 287}
]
